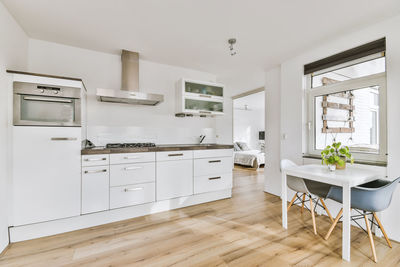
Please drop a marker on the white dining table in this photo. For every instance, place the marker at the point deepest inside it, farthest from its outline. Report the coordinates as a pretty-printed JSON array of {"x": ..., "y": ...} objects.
[{"x": 350, "y": 177}]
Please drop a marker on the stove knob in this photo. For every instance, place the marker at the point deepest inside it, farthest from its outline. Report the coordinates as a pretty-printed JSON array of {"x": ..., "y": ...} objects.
[
  {"x": 41, "y": 90},
  {"x": 55, "y": 92}
]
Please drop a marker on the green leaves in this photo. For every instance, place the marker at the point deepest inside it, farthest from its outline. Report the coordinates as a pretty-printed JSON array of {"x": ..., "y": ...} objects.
[{"x": 336, "y": 154}]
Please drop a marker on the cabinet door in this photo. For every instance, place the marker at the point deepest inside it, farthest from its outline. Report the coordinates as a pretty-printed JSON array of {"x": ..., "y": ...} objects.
[
  {"x": 174, "y": 179},
  {"x": 46, "y": 173},
  {"x": 204, "y": 89},
  {"x": 129, "y": 195},
  {"x": 215, "y": 182},
  {"x": 202, "y": 106},
  {"x": 95, "y": 189},
  {"x": 135, "y": 173}
]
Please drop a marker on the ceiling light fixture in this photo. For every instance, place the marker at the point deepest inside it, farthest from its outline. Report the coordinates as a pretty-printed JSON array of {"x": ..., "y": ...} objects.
[{"x": 231, "y": 42}]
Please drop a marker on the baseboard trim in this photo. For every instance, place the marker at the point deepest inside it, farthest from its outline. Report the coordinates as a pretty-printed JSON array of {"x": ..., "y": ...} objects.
[
  {"x": 32, "y": 231},
  {"x": 3, "y": 249}
]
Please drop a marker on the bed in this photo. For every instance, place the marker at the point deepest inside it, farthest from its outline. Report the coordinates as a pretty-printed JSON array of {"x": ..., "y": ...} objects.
[{"x": 250, "y": 158}]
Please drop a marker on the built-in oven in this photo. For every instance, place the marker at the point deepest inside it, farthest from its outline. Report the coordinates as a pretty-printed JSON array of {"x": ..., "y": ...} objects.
[{"x": 46, "y": 105}]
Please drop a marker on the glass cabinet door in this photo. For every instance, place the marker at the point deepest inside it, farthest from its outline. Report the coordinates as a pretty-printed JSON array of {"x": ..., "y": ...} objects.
[
  {"x": 203, "y": 89},
  {"x": 201, "y": 105}
]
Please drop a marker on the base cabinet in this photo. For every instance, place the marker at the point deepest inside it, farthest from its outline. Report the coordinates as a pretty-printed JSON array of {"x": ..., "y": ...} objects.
[
  {"x": 129, "y": 195},
  {"x": 95, "y": 189},
  {"x": 174, "y": 179},
  {"x": 215, "y": 182}
]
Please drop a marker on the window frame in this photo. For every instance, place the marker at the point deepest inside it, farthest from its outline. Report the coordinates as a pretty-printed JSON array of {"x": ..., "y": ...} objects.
[{"x": 352, "y": 84}]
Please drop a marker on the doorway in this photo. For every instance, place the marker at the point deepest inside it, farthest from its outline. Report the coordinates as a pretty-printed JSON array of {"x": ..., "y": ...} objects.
[{"x": 249, "y": 129}]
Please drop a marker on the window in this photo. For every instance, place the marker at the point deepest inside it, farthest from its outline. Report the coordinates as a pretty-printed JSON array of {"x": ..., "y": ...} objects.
[{"x": 347, "y": 103}]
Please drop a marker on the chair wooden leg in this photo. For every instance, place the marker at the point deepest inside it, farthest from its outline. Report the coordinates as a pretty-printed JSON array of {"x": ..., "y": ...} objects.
[
  {"x": 313, "y": 216},
  {"x": 292, "y": 201},
  {"x": 302, "y": 202},
  {"x": 383, "y": 230},
  {"x": 326, "y": 209},
  {"x": 371, "y": 239},
  {"x": 333, "y": 224}
]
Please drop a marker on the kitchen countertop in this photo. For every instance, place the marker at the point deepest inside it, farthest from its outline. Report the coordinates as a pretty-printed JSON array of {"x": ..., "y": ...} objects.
[{"x": 103, "y": 150}]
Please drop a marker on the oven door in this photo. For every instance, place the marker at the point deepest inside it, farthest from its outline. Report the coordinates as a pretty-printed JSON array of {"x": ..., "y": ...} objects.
[{"x": 34, "y": 110}]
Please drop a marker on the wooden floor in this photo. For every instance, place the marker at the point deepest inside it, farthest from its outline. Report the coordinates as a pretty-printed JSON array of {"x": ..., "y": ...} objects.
[{"x": 242, "y": 231}]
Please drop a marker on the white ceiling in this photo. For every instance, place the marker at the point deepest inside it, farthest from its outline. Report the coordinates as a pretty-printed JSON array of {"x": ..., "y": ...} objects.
[
  {"x": 254, "y": 101},
  {"x": 194, "y": 33}
]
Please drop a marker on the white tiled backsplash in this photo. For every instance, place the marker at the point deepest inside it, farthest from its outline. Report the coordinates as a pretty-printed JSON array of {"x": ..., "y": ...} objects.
[{"x": 101, "y": 135}]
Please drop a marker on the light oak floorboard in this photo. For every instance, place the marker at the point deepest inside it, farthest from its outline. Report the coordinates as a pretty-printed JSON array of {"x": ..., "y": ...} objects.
[{"x": 245, "y": 230}]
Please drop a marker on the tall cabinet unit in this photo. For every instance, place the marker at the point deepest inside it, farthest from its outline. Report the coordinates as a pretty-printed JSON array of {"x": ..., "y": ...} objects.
[
  {"x": 46, "y": 160},
  {"x": 199, "y": 98}
]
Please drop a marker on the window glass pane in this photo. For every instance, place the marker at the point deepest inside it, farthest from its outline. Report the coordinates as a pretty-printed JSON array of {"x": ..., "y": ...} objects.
[
  {"x": 350, "y": 117},
  {"x": 355, "y": 71}
]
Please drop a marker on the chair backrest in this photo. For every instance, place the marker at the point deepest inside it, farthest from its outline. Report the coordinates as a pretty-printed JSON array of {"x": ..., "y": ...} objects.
[
  {"x": 374, "y": 196},
  {"x": 295, "y": 183}
]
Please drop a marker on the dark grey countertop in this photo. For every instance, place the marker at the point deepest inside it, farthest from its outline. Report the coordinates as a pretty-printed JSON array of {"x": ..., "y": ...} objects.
[{"x": 103, "y": 150}]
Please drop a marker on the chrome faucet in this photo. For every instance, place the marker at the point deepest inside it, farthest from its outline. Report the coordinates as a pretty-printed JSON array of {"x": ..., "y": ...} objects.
[{"x": 202, "y": 138}]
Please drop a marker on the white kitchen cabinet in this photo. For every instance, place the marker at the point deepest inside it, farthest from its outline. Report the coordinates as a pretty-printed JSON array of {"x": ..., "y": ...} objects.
[
  {"x": 209, "y": 166},
  {"x": 129, "y": 195},
  {"x": 124, "y": 158},
  {"x": 95, "y": 160},
  {"x": 134, "y": 173},
  {"x": 212, "y": 153},
  {"x": 174, "y": 178},
  {"x": 46, "y": 169},
  {"x": 199, "y": 98},
  {"x": 95, "y": 189},
  {"x": 174, "y": 155},
  {"x": 215, "y": 182}
]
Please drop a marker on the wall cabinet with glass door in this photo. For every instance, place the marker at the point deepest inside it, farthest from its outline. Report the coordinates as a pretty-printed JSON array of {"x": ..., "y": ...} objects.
[{"x": 199, "y": 98}]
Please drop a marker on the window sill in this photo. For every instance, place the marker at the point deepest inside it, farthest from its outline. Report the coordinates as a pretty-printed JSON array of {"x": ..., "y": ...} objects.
[{"x": 364, "y": 162}]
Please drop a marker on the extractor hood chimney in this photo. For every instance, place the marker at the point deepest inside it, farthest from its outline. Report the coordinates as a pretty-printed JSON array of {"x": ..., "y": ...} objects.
[{"x": 129, "y": 93}]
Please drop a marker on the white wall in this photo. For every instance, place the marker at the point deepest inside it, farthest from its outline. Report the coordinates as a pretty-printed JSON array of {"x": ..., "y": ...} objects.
[
  {"x": 235, "y": 83},
  {"x": 13, "y": 55},
  {"x": 272, "y": 131},
  {"x": 246, "y": 126},
  {"x": 292, "y": 117},
  {"x": 140, "y": 123},
  {"x": 247, "y": 123}
]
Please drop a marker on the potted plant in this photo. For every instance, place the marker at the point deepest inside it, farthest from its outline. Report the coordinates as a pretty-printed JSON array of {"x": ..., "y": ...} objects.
[{"x": 335, "y": 156}]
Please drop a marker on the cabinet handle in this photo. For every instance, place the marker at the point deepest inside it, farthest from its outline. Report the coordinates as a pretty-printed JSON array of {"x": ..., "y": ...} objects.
[
  {"x": 207, "y": 96},
  {"x": 133, "y": 168},
  {"x": 132, "y": 157},
  {"x": 47, "y": 99},
  {"x": 214, "y": 161},
  {"x": 96, "y": 171},
  {"x": 206, "y": 112},
  {"x": 175, "y": 155},
  {"x": 63, "y": 138},
  {"x": 133, "y": 189},
  {"x": 96, "y": 159},
  {"x": 214, "y": 178}
]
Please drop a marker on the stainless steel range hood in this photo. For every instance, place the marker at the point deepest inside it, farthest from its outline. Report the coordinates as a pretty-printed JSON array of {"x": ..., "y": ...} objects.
[{"x": 129, "y": 93}]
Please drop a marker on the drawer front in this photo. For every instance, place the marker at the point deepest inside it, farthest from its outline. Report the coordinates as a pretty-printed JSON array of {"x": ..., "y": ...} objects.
[
  {"x": 95, "y": 189},
  {"x": 213, "y": 153},
  {"x": 208, "y": 183},
  {"x": 95, "y": 160},
  {"x": 174, "y": 155},
  {"x": 212, "y": 165},
  {"x": 174, "y": 179},
  {"x": 123, "y": 196},
  {"x": 134, "y": 173},
  {"x": 132, "y": 157}
]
